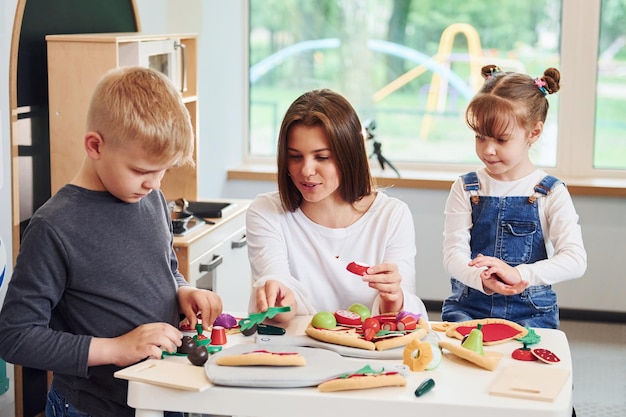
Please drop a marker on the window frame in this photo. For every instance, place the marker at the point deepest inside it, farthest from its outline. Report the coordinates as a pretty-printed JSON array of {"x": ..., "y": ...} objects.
[{"x": 580, "y": 24}]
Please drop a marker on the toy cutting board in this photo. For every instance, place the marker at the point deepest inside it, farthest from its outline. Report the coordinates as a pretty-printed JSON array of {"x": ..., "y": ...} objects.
[
  {"x": 321, "y": 365},
  {"x": 304, "y": 340},
  {"x": 167, "y": 373},
  {"x": 542, "y": 383}
]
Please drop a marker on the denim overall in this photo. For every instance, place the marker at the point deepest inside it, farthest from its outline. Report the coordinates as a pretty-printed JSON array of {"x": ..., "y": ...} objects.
[{"x": 507, "y": 228}]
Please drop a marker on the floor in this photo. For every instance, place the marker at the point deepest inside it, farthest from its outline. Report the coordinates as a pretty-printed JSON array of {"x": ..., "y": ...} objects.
[{"x": 599, "y": 363}]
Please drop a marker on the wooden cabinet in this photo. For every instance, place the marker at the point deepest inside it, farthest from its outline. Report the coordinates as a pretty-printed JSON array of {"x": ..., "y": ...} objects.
[
  {"x": 77, "y": 62},
  {"x": 215, "y": 257}
]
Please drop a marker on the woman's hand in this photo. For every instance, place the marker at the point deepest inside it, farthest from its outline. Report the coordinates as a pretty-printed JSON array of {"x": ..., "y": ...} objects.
[
  {"x": 498, "y": 276},
  {"x": 386, "y": 279},
  {"x": 195, "y": 301},
  {"x": 275, "y": 294}
]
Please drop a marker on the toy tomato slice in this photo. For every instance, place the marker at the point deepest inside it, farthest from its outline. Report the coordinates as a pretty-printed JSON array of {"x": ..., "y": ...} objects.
[{"x": 347, "y": 318}]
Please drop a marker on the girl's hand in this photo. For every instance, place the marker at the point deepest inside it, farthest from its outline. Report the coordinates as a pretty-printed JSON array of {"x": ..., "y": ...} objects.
[
  {"x": 492, "y": 285},
  {"x": 498, "y": 276},
  {"x": 497, "y": 268},
  {"x": 196, "y": 301},
  {"x": 386, "y": 279},
  {"x": 145, "y": 341},
  {"x": 275, "y": 294}
]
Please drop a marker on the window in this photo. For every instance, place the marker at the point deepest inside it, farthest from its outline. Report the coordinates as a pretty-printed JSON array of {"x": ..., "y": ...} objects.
[
  {"x": 610, "y": 128},
  {"x": 413, "y": 65}
]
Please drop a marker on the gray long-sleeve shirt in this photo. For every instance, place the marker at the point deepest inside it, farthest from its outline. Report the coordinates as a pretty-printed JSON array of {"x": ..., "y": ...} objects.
[{"x": 89, "y": 265}]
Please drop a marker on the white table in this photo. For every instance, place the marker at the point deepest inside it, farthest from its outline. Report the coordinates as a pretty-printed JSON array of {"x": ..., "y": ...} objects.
[{"x": 462, "y": 390}]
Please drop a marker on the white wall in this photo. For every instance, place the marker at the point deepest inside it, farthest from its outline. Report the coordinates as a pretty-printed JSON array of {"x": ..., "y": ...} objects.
[
  {"x": 223, "y": 119},
  {"x": 222, "y": 70},
  {"x": 603, "y": 221}
]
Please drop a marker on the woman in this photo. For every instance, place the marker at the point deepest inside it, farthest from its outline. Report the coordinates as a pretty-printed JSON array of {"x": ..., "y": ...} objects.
[{"x": 326, "y": 214}]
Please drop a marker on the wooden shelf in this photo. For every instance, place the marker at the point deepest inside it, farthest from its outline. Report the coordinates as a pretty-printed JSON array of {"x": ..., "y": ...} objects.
[{"x": 76, "y": 63}]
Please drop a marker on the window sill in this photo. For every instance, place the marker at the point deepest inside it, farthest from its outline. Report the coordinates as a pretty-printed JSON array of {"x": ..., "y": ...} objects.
[{"x": 433, "y": 180}]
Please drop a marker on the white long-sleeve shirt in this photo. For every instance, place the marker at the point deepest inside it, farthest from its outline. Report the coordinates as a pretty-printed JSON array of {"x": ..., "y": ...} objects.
[
  {"x": 567, "y": 258},
  {"x": 311, "y": 259}
]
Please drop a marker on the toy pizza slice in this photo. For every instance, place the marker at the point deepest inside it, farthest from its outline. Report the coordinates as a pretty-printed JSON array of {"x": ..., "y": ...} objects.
[
  {"x": 494, "y": 330},
  {"x": 262, "y": 358},
  {"x": 341, "y": 336},
  {"x": 349, "y": 337},
  {"x": 397, "y": 341},
  {"x": 489, "y": 360},
  {"x": 364, "y": 378}
]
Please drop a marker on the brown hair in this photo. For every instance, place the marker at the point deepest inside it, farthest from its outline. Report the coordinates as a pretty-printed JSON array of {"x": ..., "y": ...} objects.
[
  {"x": 140, "y": 105},
  {"x": 340, "y": 122},
  {"x": 510, "y": 97}
]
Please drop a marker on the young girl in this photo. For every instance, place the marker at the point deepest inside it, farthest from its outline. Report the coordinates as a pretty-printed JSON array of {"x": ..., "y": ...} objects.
[
  {"x": 326, "y": 214},
  {"x": 511, "y": 230}
]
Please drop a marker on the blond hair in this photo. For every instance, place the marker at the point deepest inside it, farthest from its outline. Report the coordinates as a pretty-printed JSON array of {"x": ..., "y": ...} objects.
[{"x": 141, "y": 106}]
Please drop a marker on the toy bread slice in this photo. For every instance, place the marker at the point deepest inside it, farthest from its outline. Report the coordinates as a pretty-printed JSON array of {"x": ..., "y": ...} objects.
[
  {"x": 393, "y": 342},
  {"x": 344, "y": 338},
  {"x": 363, "y": 382},
  {"x": 262, "y": 357},
  {"x": 494, "y": 330},
  {"x": 488, "y": 361}
]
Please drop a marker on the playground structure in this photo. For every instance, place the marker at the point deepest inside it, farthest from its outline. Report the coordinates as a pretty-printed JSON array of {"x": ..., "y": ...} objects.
[
  {"x": 438, "y": 90},
  {"x": 439, "y": 65}
]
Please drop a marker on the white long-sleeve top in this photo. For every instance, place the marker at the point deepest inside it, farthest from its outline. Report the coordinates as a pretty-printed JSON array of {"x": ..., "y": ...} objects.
[
  {"x": 567, "y": 258},
  {"x": 311, "y": 259}
]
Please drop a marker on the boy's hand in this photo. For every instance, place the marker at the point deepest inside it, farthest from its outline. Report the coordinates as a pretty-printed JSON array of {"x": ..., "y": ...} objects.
[
  {"x": 275, "y": 294},
  {"x": 146, "y": 341},
  {"x": 194, "y": 301},
  {"x": 386, "y": 279}
]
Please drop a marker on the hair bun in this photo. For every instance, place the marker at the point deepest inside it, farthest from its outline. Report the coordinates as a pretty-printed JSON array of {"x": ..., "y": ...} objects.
[
  {"x": 552, "y": 78},
  {"x": 489, "y": 71}
]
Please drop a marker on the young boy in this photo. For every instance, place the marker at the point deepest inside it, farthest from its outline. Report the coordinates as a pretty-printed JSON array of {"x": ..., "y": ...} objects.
[{"x": 96, "y": 285}]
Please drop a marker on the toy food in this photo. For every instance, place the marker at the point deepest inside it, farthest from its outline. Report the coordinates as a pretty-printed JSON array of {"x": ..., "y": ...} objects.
[
  {"x": 437, "y": 356},
  {"x": 262, "y": 358},
  {"x": 523, "y": 354},
  {"x": 545, "y": 355},
  {"x": 218, "y": 335},
  {"x": 347, "y": 318},
  {"x": 364, "y": 378},
  {"x": 357, "y": 268},
  {"x": 361, "y": 310},
  {"x": 494, "y": 330},
  {"x": 406, "y": 323},
  {"x": 324, "y": 320},
  {"x": 187, "y": 345},
  {"x": 198, "y": 355},
  {"x": 226, "y": 321},
  {"x": 248, "y": 326},
  {"x": 474, "y": 341},
  {"x": 425, "y": 387},
  {"x": 417, "y": 355},
  {"x": 368, "y": 336},
  {"x": 488, "y": 360}
]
